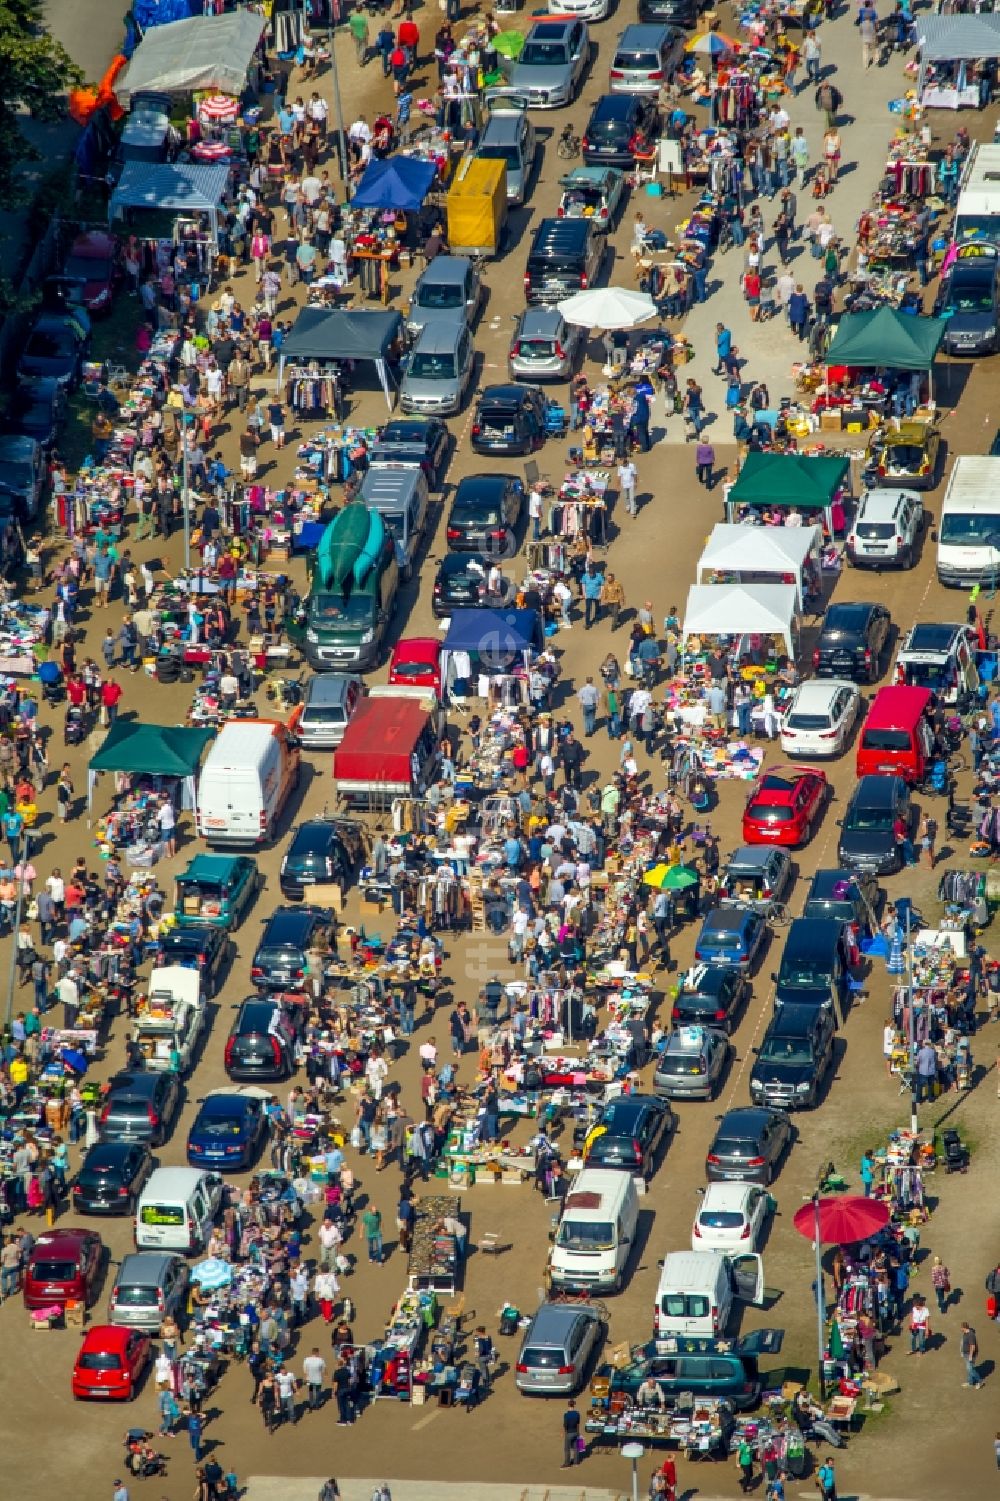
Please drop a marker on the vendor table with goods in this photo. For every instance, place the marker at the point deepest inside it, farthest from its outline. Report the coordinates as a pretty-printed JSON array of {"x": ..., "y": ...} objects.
[{"x": 434, "y": 1263}]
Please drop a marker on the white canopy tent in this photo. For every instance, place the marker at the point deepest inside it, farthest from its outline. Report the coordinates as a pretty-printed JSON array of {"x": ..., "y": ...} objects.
[
  {"x": 762, "y": 554},
  {"x": 203, "y": 52},
  {"x": 742, "y": 610},
  {"x": 958, "y": 40}
]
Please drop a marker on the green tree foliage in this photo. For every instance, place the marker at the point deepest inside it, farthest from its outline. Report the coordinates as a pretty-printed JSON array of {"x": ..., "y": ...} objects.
[{"x": 35, "y": 72}]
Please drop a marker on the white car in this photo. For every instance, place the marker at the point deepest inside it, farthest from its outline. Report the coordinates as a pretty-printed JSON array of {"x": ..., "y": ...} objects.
[
  {"x": 586, "y": 10},
  {"x": 731, "y": 1217},
  {"x": 820, "y": 717}
]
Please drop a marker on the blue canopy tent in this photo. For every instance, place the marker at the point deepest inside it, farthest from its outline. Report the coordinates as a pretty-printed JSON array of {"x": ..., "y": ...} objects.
[
  {"x": 399, "y": 182},
  {"x": 488, "y": 641}
]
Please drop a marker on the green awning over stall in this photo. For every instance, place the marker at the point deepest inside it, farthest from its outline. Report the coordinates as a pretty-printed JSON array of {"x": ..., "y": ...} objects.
[
  {"x": 789, "y": 479},
  {"x": 160, "y": 750},
  {"x": 895, "y": 341}
]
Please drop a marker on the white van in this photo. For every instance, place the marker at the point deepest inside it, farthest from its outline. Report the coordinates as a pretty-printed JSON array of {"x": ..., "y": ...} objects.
[
  {"x": 172, "y": 1015},
  {"x": 968, "y": 538},
  {"x": 177, "y": 1209},
  {"x": 596, "y": 1232},
  {"x": 697, "y": 1289},
  {"x": 245, "y": 782},
  {"x": 977, "y": 213}
]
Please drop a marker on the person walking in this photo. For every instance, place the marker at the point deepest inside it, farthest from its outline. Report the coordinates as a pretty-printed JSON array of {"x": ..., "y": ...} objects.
[
  {"x": 196, "y": 1430},
  {"x": 588, "y": 698},
  {"x": 357, "y": 24},
  {"x": 704, "y": 463},
  {"x": 829, "y": 99},
  {"x": 826, "y": 1480},
  {"x": 571, "y": 1435},
  {"x": 941, "y": 1283},
  {"x": 744, "y": 1463},
  {"x": 798, "y": 312},
  {"x": 613, "y": 598},
  {"x": 627, "y": 476},
  {"x": 969, "y": 1347},
  {"x": 591, "y": 584},
  {"x": 799, "y": 153},
  {"x": 314, "y": 1374},
  {"x": 867, "y": 23},
  {"x": 920, "y": 1325},
  {"x": 723, "y": 344},
  {"x": 342, "y": 1391},
  {"x": 371, "y": 1224}
]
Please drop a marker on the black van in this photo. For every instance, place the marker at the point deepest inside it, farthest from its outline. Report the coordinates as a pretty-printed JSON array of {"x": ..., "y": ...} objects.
[
  {"x": 726, "y": 1369},
  {"x": 793, "y": 1059},
  {"x": 565, "y": 257},
  {"x": 813, "y": 969},
  {"x": 509, "y": 419}
]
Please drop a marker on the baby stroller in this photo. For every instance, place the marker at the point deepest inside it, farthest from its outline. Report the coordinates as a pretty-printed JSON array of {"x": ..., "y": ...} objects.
[
  {"x": 75, "y": 725},
  {"x": 141, "y": 1459},
  {"x": 51, "y": 678}
]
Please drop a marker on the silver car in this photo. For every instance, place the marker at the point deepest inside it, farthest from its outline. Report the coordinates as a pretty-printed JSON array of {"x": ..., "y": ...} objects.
[
  {"x": 645, "y": 59},
  {"x": 691, "y": 1064},
  {"x": 331, "y": 698},
  {"x": 438, "y": 369},
  {"x": 447, "y": 289},
  {"x": 544, "y": 346},
  {"x": 509, "y": 137},
  {"x": 556, "y": 1350},
  {"x": 552, "y": 63},
  {"x": 149, "y": 1285}
]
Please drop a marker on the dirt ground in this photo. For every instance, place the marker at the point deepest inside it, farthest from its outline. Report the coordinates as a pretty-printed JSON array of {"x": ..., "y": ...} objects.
[{"x": 934, "y": 1438}]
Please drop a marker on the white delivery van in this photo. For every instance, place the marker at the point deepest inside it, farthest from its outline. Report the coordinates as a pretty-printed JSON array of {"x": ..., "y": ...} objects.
[
  {"x": 977, "y": 213},
  {"x": 171, "y": 1015},
  {"x": 697, "y": 1290},
  {"x": 245, "y": 782},
  {"x": 968, "y": 537},
  {"x": 177, "y": 1209},
  {"x": 596, "y": 1232}
]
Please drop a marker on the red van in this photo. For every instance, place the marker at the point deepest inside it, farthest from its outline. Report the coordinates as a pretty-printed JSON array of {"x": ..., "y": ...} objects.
[{"x": 896, "y": 738}]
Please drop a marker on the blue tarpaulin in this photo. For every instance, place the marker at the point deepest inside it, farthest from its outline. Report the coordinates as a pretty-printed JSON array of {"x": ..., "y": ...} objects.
[
  {"x": 399, "y": 182},
  {"x": 494, "y": 639}
]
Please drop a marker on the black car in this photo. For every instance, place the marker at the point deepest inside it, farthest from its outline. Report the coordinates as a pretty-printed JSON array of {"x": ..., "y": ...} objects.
[
  {"x": 54, "y": 349},
  {"x": 867, "y": 837},
  {"x": 22, "y": 476},
  {"x": 110, "y": 1177},
  {"x": 850, "y": 896},
  {"x": 633, "y": 1129},
  {"x": 621, "y": 127},
  {"x": 36, "y": 411},
  {"x": 321, "y": 850},
  {"x": 853, "y": 641},
  {"x": 485, "y": 513},
  {"x": 408, "y": 441},
  {"x": 280, "y": 960},
  {"x": 460, "y": 583},
  {"x": 748, "y": 1145},
  {"x": 206, "y": 949},
  {"x": 261, "y": 1043},
  {"x": 710, "y": 995},
  {"x": 566, "y": 256},
  {"x": 140, "y": 1107},
  {"x": 674, "y": 12},
  {"x": 509, "y": 419},
  {"x": 794, "y": 1058}
]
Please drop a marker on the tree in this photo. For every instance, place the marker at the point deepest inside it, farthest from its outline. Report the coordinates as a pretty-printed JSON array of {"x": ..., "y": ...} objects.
[{"x": 35, "y": 73}]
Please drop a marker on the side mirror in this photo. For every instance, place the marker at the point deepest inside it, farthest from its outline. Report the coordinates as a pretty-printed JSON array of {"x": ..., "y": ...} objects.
[
  {"x": 660, "y": 1263},
  {"x": 774, "y": 978}
]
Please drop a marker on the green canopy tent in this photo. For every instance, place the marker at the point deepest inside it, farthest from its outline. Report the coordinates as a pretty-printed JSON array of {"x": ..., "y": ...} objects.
[
  {"x": 886, "y": 338},
  {"x": 807, "y": 483},
  {"x": 158, "y": 750}
]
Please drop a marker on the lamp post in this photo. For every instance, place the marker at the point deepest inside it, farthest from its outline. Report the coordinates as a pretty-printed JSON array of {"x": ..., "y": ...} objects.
[
  {"x": 820, "y": 1299},
  {"x": 914, "y": 1092},
  {"x": 331, "y": 43},
  {"x": 634, "y": 1452},
  {"x": 185, "y": 491},
  {"x": 18, "y": 909}
]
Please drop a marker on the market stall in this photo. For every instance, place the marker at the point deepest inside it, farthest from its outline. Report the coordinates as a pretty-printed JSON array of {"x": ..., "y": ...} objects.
[
  {"x": 176, "y": 189},
  {"x": 786, "y": 555},
  {"x": 886, "y": 339},
  {"x": 212, "y": 52},
  {"x": 488, "y": 645},
  {"x": 958, "y": 56},
  {"x": 322, "y": 337},
  {"x": 150, "y": 752},
  {"x": 728, "y": 610},
  {"x": 397, "y": 182},
  {"x": 779, "y": 489}
]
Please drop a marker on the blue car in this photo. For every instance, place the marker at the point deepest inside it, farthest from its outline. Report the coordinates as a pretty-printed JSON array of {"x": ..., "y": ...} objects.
[
  {"x": 730, "y": 935},
  {"x": 228, "y": 1130}
]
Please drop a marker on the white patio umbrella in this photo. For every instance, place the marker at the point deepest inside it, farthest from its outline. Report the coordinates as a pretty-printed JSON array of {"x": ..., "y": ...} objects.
[{"x": 608, "y": 308}]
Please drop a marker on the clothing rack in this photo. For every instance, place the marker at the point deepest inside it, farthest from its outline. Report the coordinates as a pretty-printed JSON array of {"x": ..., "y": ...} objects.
[{"x": 912, "y": 179}]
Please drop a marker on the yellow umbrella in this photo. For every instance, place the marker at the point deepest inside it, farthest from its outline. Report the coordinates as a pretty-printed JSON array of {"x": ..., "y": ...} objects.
[{"x": 656, "y": 876}]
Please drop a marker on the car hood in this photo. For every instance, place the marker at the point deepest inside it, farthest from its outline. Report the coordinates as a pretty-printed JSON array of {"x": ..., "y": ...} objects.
[
  {"x": 867, "y": 841},
  {"x": 964, "y": 323},
  {"x": 766, "y": 1072},
  {"x": 540, "y": 76}
]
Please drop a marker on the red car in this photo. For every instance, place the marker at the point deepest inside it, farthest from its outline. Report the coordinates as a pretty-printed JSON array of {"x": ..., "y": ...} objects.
[
  {"x": 784, "y": 805},
  {"x": 64, "y": 1266},
  {"x": 93, "y": 260},
  {"x": 110, "y": 1363},
  {"x": 416, "y": 663}
]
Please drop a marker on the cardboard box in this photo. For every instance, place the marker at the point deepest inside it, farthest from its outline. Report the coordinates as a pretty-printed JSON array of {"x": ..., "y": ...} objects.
[
  {"x": 830, "y": 422},
  {"x": 620, "y": 1355}
]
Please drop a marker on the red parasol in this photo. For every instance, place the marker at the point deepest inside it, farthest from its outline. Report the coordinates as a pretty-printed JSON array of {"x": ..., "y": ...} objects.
[{"x": 842, "y": 1221}]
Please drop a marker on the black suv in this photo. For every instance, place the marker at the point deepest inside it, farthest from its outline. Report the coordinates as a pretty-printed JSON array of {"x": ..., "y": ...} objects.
[
  {"x": 207, "y": 950},
  {"x": 485, "y": 513},
  {"x": 676, "y": 12},
  {"x": 846, "y": 896},
  {"x": 793, "y": 1059},
  {"x": 853, "y": 641},
  {"x": 710, "y": 995},
  {"x": 565, "y": 257},
  {"x": 261, "y": 1044},
  {"x": 867, "y": 840},
  {"x": 321, "y": 850},
  {"x": 140, "y": 1106},
  {"x": 620, "y": 127},
  {"x": 280, "y": 960},
  {"x": 509, "y": 419},
  {"x": 460, "y": 583},
  {"x": 635, "y": 1127}
]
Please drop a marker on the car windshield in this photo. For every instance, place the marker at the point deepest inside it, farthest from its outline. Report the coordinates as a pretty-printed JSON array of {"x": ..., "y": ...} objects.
[
  {"x": 415, "y": 669},
  {"x": 409, "y": 434},
  {"x": 333, "y": 609},
  {"x": 556, "y": 265},
  {"x": 54, "y": 1271},
  {"x": 536, "y": 349},
  {"x": 720, "y": 1219},
  {"x": 541, "y": 1358},
  {"x": 633, "y": 59},
  {"x": 15, "y": 476},
  {"x": 773, "y": 812},
  {"x": 681, "y": 1063},
  {"x": 433, "y": 366},
  {"x": 971, "y": 296},
  {"x": 684, "y": 1306},
  {"x": 785, "y": 1050},
  {"x": 45, "y": 345},
  {"x": 799, "y": 721},
  {"x": 99, "y": 1360},
  {"x": 221, "y": 1125},
  {"x": 543, "y": 54},
  {"x": 866, "y": 820},
  {"x": 611, "y": 128},
  {"x": 482, "y": 512},
  {"x": 969, "y": 527},
  {"x": 440, "y": 295},
  {"x": 886, "y": 740},
  {"x": 734, "y": 1146},
  {"x": 320, "y": 714},
  {"x": 494, "y": 152},
  {"x": 135, "y": 1297},
  {"x": 162, "y": 1214},
  {"x": 586, "y": 1235},
  {"x": 721, "y": 938},
  {"x": 875, "y": 531},
  {"x": 806, "y": 972}
]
